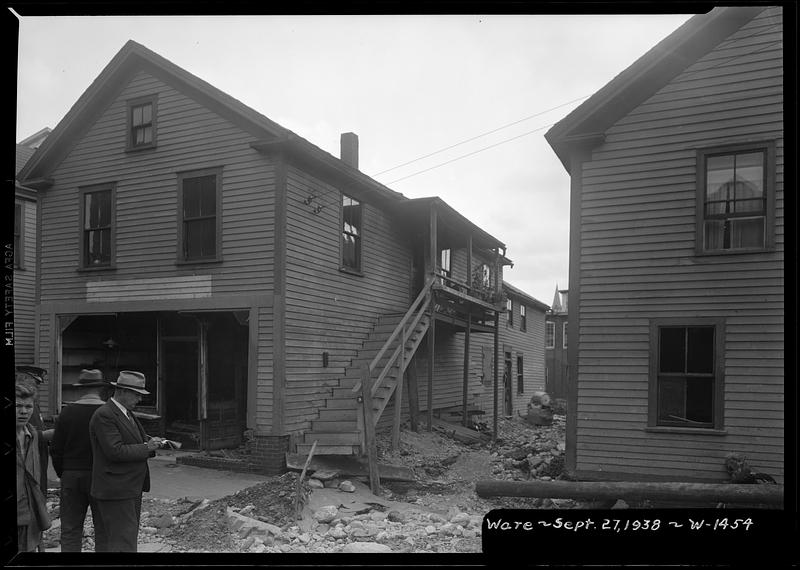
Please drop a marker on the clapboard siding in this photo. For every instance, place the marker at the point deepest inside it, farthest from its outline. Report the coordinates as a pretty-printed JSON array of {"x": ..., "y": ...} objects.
[
  {"x": 24, "y": 282},
  {"x": 190, "y": 136},
  {"x": 637, "y": 262},
  {"x": 328, "y": 310},
  {"x": 264, "y": 385}
]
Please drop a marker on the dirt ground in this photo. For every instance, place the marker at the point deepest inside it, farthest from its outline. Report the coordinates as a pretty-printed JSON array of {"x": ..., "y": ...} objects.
[{"x": 438, "y": 512}]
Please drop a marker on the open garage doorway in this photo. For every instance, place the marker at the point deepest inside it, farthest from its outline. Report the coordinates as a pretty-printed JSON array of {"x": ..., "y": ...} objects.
[{"x": 195, "y": 365}]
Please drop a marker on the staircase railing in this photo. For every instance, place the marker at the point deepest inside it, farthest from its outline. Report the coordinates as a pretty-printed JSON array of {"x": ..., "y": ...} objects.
[{"x": 400, "y": 336}]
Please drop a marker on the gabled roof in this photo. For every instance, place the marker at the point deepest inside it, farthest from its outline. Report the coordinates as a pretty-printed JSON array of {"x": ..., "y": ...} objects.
[
  {"x": 586, "y": 124},
  {"x": 132, "y": 58},
  {"x": 35, "y": 140},
  {"x": 24, "y": 154},
  {"x": 520, "y": 294}
]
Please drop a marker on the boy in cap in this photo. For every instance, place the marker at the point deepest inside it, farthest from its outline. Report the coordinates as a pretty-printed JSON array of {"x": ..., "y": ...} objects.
[
  {"x": 71, "y": 452},
  {"x": 32, "y": 515},
  {"x": 120, "y": 451}
]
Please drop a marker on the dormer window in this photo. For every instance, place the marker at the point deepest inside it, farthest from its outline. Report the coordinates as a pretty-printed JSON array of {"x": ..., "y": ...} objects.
[{"x": 142, "y": 123}]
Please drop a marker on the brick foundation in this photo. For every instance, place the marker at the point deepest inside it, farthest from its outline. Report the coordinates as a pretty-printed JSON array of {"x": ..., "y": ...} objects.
[{"x": 269, "y": 452}]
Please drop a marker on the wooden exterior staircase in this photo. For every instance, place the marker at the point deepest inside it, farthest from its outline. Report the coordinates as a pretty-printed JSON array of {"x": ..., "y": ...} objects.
[{"x": 339, "y": 429}]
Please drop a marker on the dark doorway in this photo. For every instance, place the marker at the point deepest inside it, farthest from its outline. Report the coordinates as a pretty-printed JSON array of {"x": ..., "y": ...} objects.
[{"x": 179, "y": 381}]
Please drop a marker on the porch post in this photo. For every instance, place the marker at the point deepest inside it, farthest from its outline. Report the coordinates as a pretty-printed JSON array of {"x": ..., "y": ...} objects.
[
  {"x": 496, "y": 365},
  {"x": 413, "y": 397},
  {"x": 466, "y": 371},
  {"x": 433, "y": 251}
]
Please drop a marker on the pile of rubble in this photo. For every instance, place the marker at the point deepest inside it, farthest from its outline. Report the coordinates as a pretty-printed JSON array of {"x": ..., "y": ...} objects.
[{"x": 526, "y": 453}]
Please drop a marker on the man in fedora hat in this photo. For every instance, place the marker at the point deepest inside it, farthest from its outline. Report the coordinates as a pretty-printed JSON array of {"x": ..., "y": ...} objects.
[
  {"x": 119, "y": 470},
  {"x": 71, "y": 452}
]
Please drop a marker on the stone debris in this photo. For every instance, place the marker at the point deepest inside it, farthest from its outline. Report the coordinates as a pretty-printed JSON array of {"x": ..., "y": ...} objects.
[
  {"x": 326, "y": 514},
  {"x": 347, "y": 487}
]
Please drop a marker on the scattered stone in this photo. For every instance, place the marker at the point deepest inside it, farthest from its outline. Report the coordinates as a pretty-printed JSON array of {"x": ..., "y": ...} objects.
[
  {"x": 325, "y": 475},
  {"x": 347, "y": 487},
  {"x": 164, "y": 521},
  {"x": 326, "y": 514},
  {"x": 366, "y": 547},
  {"x": 247, "y": 510},
  {"x": 460, "y": 519},
  {"x": 396, "y": 516},
  {"x": 316, "y": 484}
]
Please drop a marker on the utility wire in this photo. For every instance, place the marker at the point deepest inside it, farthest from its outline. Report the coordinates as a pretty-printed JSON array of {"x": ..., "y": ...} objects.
[
  {"x": 473, "y": 152},
  {"x": 479, "y": 136},
  {"x": 760, "y": 32}
]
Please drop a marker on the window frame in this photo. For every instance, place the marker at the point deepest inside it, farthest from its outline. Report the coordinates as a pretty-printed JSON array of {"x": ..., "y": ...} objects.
[
  {"x": 520, "y": 374},
  {"x": 548, "y": 324},
  {"x": 718, "y": 411},
  {"x": 702, "y": 155},
  {"x": 359, "y": 271},
  {"x": 510, "y": 313},
  {"x": 181, "y": 177},
  {"x": 564, "y": 335},
  {"x": 19, "y": 235},
  {"x": 446, "y": 271},
  {"x": 82, "y": 192},
  {"x": 523, "y": 318},
  {"x": 152, "y": 100}
]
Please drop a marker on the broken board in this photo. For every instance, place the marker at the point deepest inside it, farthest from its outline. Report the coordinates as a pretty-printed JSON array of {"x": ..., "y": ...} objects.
[
  {"x": 460, "y": 432},
  {"x": 348, "y": 466}
]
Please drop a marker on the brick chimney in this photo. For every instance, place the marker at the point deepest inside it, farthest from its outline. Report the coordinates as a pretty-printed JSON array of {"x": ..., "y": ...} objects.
[{"x": 349, "y": 146}]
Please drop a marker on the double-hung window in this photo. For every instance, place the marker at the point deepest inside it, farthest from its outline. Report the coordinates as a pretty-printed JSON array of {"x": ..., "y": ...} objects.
[
  {"x": 199, "y": 208},
  {"x": 97, "y": 226},
  {"x": 510, "y": 311},
  {"x": 564, "y": 335},
  {"x": 686, "y": 380},
  {"x": 549, "y": 334},
  {"x": 444, "y": 262},
  {"x": 142, "y": 122},
  {"x": 520, "y": 376},
  {"x": 351, "y": 233},
  {"x": 523, "y": 319},
  {"x": 736, "y": 193}
]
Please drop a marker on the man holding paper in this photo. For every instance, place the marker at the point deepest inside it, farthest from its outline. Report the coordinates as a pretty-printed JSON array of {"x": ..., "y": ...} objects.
[{"x": 120, "y": 473}]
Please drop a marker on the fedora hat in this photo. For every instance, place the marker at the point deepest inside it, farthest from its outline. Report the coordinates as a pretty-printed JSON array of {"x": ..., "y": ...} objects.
[
  {"x": 131, "y": 380},
  {"x": 89, "y": 378}
]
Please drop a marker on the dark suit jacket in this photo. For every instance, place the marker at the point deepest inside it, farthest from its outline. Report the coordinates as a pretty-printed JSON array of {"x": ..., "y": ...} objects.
[{"x": 119, "y": 468}]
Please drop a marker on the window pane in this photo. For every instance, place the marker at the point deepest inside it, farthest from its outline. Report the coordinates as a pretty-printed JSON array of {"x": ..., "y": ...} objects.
[
  {"x": 208, "y": 195},
  {"x": 147, "y": 113},
  {"x": 750, "y": 174},
  {"x": 700, "y": 350},
  {"x": 136, "y": 116},
  {"x": 549, "y": 334},
  {"x": 719, "y": 172},
  {"x": 145, "y": 135},
  {"x": 747, "y": 232},
  {"x": 191, "y": 198},
  {"x": 714, "y": 234},
  {"x": 672, "y": 349},
  {"x": 700, "y": 400},
  {"x": 349, "y": 257},
  {"x": 671, "y": 399},
  {"x": 209, "y": 237},
  {"x": 351, "y": 216},
  {"x": 98, "y": 247}
]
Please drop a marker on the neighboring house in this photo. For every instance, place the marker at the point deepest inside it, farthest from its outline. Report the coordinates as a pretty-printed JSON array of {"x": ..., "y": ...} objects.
[
  {"x": 36, "y": 139},
  {"x": 555, "y": 346},
  {"x": 676, "y": 309},
  {"x": 24, "y": 263},
  {"x": 248, "y": 274}
]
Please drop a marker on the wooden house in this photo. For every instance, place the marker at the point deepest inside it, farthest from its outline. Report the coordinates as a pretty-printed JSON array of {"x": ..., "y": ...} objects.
[
  {"x": 23, "y": 258},
  {"x": 556, "y": 345},
  {"x": 676, "y": 298},
  {"x": 251, "y": 276}
]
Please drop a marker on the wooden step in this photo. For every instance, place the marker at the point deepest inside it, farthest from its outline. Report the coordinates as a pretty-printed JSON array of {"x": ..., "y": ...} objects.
[
  {"x": 337, "y": 404},
  {"x": 322, "y": 449},
  {"x": 334, "y": 426},
  {"x": 337, "y": 415},
  {"x": 333, "y": 438}
]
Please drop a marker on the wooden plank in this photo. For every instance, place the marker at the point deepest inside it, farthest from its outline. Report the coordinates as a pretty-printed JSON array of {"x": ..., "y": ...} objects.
[
  {"x": 413, "y": 393},
  {"x": 459, "y": 432},
  {"x": 349, "y": 466},
  {"x": 369, "y": 431}
]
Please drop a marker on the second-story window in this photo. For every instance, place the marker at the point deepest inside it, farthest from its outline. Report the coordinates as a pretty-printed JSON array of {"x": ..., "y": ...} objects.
[
  {"x": 510, "y": 311},
  {"x": 97, "y": 213},
  {"x": 351, "y": 233},
  {"x": 142, "y": 123},
  {"x": 199, "y": 215},
  {"x": 735, "y": 198},
  {"x": 564, "y": 335},
  {"x": 549, "y": 334},
  {"x": 444, "y": 262},
  {"x": 523, "y": 319}
]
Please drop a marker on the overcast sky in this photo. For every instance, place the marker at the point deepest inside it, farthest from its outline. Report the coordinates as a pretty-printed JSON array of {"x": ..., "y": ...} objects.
[{"x": 408, "y": 86}]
